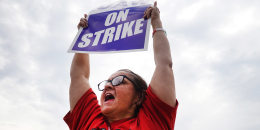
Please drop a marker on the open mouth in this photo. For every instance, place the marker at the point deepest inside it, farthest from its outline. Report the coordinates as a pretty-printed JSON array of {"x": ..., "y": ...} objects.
[{"x": 109, "y": 96}]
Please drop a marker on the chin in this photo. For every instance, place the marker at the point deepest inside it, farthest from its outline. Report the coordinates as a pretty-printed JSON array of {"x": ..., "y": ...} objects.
[{"x": 106, "y": 110}]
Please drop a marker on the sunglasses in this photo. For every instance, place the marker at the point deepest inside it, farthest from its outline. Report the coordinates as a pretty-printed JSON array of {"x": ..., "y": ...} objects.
[{"x": 115, "y": 82}]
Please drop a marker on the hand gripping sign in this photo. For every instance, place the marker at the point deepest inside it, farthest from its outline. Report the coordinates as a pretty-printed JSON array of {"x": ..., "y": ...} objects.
[{"x": 114, "y": 30}]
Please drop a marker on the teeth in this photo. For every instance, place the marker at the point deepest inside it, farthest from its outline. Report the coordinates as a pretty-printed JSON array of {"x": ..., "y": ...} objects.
[{"x": 108, "y": 94}]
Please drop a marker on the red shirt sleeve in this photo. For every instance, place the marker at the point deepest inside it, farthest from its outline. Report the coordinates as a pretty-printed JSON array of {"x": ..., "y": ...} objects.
[
  {"x": 161, "y": 114},
  {"x": 85, "y": 111}
]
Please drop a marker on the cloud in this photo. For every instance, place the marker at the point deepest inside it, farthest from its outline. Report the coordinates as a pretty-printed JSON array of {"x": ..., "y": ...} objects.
[
  {"x": 215, "y": 50},
  {"x": 215, "y": 56}
]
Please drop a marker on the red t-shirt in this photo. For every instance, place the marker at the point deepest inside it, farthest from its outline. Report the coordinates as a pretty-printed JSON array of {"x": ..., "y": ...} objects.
[{"x": 153, "y": 115}]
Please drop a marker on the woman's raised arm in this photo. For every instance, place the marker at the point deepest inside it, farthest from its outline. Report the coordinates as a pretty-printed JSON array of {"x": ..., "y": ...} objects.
[
  {"x": 79, "y": 72},
  {"x": 162, "y": 82}
]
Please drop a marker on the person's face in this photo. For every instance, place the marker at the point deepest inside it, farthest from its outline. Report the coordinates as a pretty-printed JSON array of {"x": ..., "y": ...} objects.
[{"x": 118, "y": 101}]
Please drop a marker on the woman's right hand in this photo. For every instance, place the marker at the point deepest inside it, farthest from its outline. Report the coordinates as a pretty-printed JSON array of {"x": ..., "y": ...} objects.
[{"x": 83, "y": 22}]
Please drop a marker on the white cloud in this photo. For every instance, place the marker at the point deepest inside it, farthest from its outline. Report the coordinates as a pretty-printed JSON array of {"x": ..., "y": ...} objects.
[
  {"x": 215, "y": 50},
  {"x": 242, "y": 20},
  {"x": 191, "y": 11}
]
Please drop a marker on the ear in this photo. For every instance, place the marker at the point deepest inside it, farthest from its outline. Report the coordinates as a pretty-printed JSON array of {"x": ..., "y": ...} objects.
[{"x": 137, "y": 100}]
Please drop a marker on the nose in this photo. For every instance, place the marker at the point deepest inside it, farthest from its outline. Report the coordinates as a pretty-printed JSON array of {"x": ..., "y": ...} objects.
[{"x": 108, "y": 86}]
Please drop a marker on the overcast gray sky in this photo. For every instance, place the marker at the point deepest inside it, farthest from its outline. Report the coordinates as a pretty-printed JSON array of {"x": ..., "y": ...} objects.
[{"x": 215, "y": 50}]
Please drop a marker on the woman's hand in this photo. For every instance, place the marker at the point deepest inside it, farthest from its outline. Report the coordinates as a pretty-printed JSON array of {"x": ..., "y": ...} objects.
[
  {"x": 154, "y": 14},
  {"x": 83, "y": 22}
]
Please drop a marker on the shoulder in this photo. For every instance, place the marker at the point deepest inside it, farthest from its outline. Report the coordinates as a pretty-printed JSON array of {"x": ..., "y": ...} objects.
[
  {"x": 152, "y": 98},
  {"x": 160, "y": 114}
]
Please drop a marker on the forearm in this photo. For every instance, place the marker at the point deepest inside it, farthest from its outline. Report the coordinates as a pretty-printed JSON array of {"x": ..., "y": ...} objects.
[
  {"x": 80, "y": 66},
  {"x": 162, "y": 53}
]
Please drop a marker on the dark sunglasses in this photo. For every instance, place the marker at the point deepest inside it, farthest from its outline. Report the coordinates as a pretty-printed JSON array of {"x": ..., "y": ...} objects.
[{"x": 115, "y": 82}]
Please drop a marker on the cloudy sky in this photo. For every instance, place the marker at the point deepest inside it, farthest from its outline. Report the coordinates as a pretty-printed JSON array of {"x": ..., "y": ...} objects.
[{"x": 215, "y": 49}]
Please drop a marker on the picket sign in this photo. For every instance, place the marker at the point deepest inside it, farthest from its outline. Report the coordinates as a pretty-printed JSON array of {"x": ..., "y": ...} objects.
[{"x": 114, "y": 30}]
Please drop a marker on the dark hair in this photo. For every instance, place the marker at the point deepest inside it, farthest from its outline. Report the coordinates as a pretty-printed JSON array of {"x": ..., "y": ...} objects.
[{"x": 140, "y": 86}]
